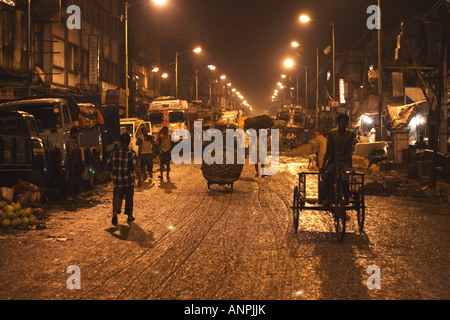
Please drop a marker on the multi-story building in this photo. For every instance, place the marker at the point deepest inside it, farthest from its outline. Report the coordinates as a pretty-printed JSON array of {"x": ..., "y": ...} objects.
[{"x": 87, "y": 61}]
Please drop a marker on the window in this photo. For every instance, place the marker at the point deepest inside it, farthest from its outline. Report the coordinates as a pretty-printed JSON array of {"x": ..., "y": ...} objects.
[
  {"x": 177, "y": 116},
  {"x": 45, "y": 116},
  {"x": 156, "y": 118},
  {"x": 74, "y": 58},
  {"x": 85, "y": 62},
  {"x": 31, "y": 125}
]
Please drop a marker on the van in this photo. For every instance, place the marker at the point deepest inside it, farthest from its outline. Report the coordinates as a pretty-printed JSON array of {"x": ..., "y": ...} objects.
[{"x": 133, "y": 126}]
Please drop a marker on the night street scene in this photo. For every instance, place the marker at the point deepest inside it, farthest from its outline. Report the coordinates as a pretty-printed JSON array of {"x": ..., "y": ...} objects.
[{"x": 224, "y": 158}]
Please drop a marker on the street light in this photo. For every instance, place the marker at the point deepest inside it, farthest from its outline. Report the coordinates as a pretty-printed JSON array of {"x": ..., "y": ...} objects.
[
  {"x": 127, "y": 5},
  {"x": 289, "y": 63},
  {"x": 196, "y": 50},
  {"x": 211, "y": 67},
  {"x": 305, "y": 19}
]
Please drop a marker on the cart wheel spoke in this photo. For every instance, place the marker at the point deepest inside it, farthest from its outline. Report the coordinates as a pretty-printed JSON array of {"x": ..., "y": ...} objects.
[
  {"x": 361, "y": 212},
  {"x": 295, "y": 209},
  {"x": 339, "y": 211}
]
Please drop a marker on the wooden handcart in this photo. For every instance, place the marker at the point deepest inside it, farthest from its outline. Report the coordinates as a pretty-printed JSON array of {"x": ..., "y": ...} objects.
[{"x": 343, "y": 202}]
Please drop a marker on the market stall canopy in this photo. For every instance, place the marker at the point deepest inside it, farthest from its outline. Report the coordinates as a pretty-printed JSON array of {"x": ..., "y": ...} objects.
[
  {"x": 368, "y": 106},
  {"x": 400, "y": 116}
]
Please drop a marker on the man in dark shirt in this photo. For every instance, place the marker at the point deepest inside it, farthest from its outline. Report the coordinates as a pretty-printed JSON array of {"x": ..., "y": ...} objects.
[
  {"x": 123, "y": 163},
  {"x": 73, "y": 163},
  {"x": 338, "y": 156},
  {"x": 421, "y": 144}
]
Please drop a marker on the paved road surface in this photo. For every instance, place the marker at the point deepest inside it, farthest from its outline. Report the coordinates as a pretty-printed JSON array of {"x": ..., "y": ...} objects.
[{"x": 189, "y": 242}]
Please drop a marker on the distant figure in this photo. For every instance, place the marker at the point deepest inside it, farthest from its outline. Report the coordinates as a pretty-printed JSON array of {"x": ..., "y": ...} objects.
[
  {"x": 73, "y": 163},
  {"x": 124, "y": 163},
  {"x": 258, "y": 159},
  {"x": 145, "y": 152},
  {"x": 372, "y": 137},
  {"x": 421, "y": 144},
  {"x": 364, "y": 138},
  {"x": 319, "y": 148},
  {"x": 165, "y": 145}
]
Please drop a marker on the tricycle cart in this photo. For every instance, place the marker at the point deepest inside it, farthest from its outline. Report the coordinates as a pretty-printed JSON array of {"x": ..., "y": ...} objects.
[{"x": 343, "y": 200}]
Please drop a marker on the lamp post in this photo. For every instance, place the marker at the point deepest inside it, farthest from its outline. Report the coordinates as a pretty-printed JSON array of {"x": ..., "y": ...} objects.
[
  {"x": 211, "y": 68},
  {"x": 380, "y": 89},
  {"x": 177, "y": 54},
  {"x": 305, "y": 19},
  {"x": 128, "y": 5},
  {"x": 317, "y": 89}
]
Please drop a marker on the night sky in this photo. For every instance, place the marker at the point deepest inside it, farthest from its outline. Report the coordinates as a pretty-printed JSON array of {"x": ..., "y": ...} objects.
[{"x": 251, "y": 38}]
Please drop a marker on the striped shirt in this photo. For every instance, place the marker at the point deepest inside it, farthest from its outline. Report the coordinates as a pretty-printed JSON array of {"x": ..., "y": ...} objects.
[{"x": 123, "y": 161}]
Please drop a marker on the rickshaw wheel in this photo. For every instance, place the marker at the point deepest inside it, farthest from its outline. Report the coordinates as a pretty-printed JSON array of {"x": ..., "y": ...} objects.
[
  {"x": 339, "y": 211},
  {"x": 360, "y": 213},
  {"x": 295, "y": 208}
]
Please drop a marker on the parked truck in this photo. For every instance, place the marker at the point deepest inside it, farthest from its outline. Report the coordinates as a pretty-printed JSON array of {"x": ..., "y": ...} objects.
[
  {"x": 21, "y": 150},
  {"x": 55, "y": 116},
  {"x": 293, "y": 133}
]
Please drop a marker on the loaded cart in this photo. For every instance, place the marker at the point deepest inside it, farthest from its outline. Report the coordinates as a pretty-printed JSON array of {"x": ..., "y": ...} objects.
[
  {"x": 222, "y": 174},
  {"x": 309, "y": 194}
]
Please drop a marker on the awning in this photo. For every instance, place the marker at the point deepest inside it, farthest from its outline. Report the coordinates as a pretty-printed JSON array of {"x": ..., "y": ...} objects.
[
  {"x": 367, "y": 106},
  {"x": 400, "y": 116}
]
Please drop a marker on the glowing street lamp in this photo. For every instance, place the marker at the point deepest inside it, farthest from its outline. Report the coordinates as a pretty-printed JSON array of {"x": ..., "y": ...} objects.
[
  {"x": 196, "y": 50},
  {"x": 289, "y": 63},
  {"x": 295, "y": 44},
  {"x": 304, "y": 18}
]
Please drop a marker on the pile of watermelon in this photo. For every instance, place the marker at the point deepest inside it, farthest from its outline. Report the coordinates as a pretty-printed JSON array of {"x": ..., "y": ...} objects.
[{"x": 13, "y": 215}]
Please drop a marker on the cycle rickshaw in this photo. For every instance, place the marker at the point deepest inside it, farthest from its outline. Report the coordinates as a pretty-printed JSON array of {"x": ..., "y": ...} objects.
[{"x": 344, "y": 199}]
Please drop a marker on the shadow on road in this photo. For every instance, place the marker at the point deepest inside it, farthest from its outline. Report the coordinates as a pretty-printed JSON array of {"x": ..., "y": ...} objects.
[
  {"x": 339, "y": 263},
  {"x": 133, "y": 232},
  {"x": 168, "y": 186}
]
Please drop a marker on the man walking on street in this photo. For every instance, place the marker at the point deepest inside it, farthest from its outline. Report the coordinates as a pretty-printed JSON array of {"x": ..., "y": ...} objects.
[
  {"x": 338, "y": 157},
  {"x": 145, "y": 153},
  {"x": 124, "y": 163},
  {"x": 165, "y": 145},
  {"x": 73, "y": 163}
]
